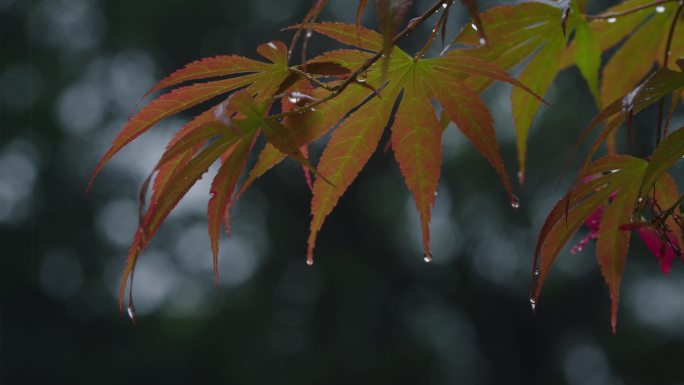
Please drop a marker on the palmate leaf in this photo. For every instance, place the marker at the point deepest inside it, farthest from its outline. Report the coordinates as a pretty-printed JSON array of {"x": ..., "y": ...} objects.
[
  {"x": 513, "y": 34},
  {"x": 519, "y": 31},
  {"x": 180, "y": 99},
  {"x": 416, "y": 132},
  {"x": 668, "y": 152},
  {"x": 660, "y": 84},
  {"x": 613, "y": 184},
  {"x": 647, "y": 42}
]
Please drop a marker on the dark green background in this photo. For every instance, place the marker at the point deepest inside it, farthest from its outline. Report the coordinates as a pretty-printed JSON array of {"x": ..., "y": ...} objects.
[{"x": 370, "y": 311}]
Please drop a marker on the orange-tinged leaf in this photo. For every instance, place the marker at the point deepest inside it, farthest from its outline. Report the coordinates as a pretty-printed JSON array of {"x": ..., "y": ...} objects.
[
  {"x": 350, "y": 59},
  {"x": 660, "y": 84},
  {"x": 350, "y": 147},
  {"x": 474, "y": 12},
  {"x": 465, "y": 107},
  {"x": 359, "y": 12},
  {"x": 211, "y": 67},
  {"x": 573, "y": 209},
  {"x": 275, "y": 51},
  {"x": 538, "y": 76},
  {"x": 610, "y": 33},
  {"x": 268, "y": 158},
  {"x": 416, "y": 141},
  {"x": 168, "y": 104},
  {"x": 666, "y": 195},
  {"x": 178, "y": 159},
  {"x": 179, "y": 184},
  {"x": 222, "y": 189},
  {"x": 560, "y": 233},
  {"x": 623, "y": 72},
  {"x": 588, "y": 57},
  {"x": 348, "y": 34},
  {"x": 612, "y": 243},
  {"x": 668, "y": 152}
]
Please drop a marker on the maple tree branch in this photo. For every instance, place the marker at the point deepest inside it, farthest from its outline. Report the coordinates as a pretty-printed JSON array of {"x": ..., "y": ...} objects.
[
  {"x": 311, "y": 78},
  {"x": 435, "y": 29},
  {"x": 627, "y": 11},
  {"x": 413, "y": 24}
]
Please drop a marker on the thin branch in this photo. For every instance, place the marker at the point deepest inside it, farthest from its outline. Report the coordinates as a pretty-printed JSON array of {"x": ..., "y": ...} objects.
[
  {"x": 309, "y": 77},
  {"x": 415, "y": 23},
  {"x": 435, "y": 30},
  {"x": 627, "y": 11}
]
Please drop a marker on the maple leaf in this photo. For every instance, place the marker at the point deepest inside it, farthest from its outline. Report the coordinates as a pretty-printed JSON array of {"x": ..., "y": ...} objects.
[
  {"x": 605, "y": 202},
  {"x": 514, "y": 33},
  {"x": 416, "y": 131},
  {"x": 259, "y": 76},
  {"x": 661, "y": 83}
]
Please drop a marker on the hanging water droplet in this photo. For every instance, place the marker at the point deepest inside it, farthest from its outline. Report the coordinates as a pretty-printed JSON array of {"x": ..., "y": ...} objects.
[
  {"x": 309, "y": 262},
  {"x": 444, "y": 5},
  {"x": 131, "y": 312},
  {"x": 308, "y": 34},
  {"x": 362, "y": 77},
  {"x": 515, "y": 203},
  {"x": 533, "y": 303},
  {"x": 660, "y": 9},
  {"x": 473, "y": 26},
  {"x": 427, "y": 258},
  {"x": 612, "y": 19}
]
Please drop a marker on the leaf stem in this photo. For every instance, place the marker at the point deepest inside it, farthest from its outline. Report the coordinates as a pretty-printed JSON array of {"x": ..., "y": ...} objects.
[
  {"x": 413, "y": 24},
  {"x": 435, "y": 30},
  {"x": 627, "y": 11}
]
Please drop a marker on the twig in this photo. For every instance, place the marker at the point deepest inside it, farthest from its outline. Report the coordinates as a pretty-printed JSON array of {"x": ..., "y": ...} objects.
[
  {"x": 309, "y": 77},
  {"x": 435, "y": 30}
]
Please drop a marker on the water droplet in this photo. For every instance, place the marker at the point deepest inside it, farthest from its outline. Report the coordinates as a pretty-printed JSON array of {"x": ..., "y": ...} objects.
[
  {"x": 515, "y": 203},
  {"x": 308, "y": 34},
  {"x": 444, "y": 5},
  {"x": 362, "y": 77},
  {"x": 473, "y": 26},
  {"x": 612, "y": 19},
  {"x": 212, "y": 194},
  {"x": 293, "y": 100},
  {"x": 273, "y": 46},
  {"x": 533, "y": 303},
  {"x": 131, "y": 312},
  {"x": 483, "y": 41},
  {"x": 309, "y": 262},
  {"x": 427, "y": 258},
  {"x": 536, "y": 273},
  {"x": 313, "y": 109},
  {"x": 660, "y": 9}
]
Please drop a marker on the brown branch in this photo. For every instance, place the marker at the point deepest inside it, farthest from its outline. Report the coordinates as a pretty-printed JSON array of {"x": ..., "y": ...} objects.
[{"x": 435, "y": 29}]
